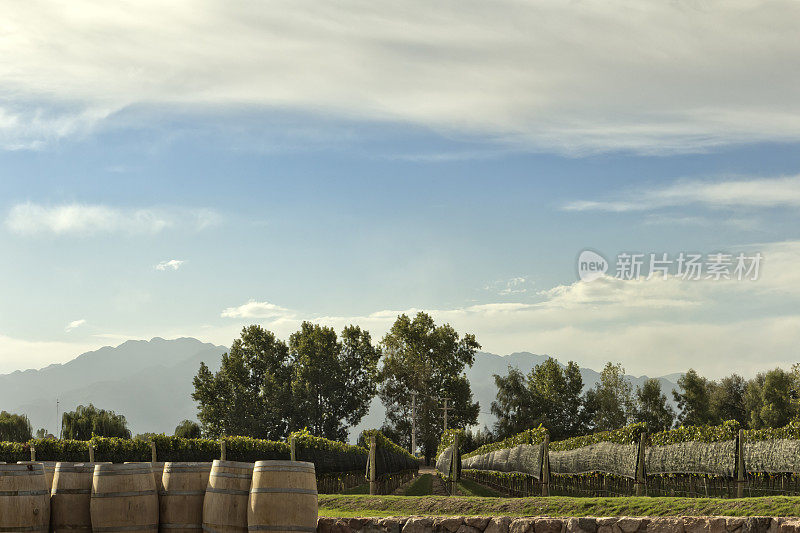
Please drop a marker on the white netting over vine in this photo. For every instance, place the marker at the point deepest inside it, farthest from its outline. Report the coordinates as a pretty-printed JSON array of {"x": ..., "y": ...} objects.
[
  {"x": 608, "y": 457},
  {"x": 525, "y": 459},
  {"x": 717, "y": 458},
  {"x": 778, "y": 455}
]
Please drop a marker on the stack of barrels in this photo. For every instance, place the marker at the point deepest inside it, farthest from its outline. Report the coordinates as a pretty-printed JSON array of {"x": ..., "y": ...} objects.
[{"x": 172, "y": 497}]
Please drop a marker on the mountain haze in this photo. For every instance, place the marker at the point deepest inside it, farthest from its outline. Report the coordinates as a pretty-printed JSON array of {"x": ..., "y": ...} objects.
[{"x": 150, "y": 382}]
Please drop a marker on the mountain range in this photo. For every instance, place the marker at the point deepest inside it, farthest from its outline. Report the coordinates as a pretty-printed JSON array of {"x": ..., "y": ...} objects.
[{"x": 150, "y": 382}]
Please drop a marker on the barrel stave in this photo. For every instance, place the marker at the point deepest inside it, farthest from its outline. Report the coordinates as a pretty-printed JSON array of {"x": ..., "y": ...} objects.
[
  {"x": 283, "y": 497},
  {"x": 227, "y": 494},
  {"x": 24, "y": 498}
]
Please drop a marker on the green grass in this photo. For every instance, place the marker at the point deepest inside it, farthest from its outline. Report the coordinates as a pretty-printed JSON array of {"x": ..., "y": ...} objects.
[
  {"x": 350, "y": 506},
  {"x": 422, "y": 486},
  {"x": 358, "y": 489},
  {"x": 471, "y": 488}
]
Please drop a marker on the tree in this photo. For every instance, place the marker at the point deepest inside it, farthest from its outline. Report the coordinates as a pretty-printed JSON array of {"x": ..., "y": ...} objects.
[
  {"x": 728, "y": 400},
  {"x": 753, "y": 401},
  {"x": 188, "y": 429},
  {"x": 41, "y": 433},
  {"x": 266, "y": 389},
  {"x": 250, "y": 395},
  {"x": 612, "y": 399},
  {"x": 694, "y": 400},
  {"x": 558, "y": 392},
  {"x": 14, "y": 428},
  {"x": 776, "y": 405},
  {"x": 515, "y": 406},
  {"x": 333, "y": 381},
  {"x": 85, "y": 422},
  {"x": 429, "y": 360},
  {"x": 652, "y": 407}
]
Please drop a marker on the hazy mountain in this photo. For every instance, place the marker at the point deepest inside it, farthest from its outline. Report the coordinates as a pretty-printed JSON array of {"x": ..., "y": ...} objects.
[{"x": 150, "y": 382}]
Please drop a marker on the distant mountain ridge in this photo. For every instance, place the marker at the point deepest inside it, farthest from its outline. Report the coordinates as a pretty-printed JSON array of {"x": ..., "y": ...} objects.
[{"x": 150, "y": 382}]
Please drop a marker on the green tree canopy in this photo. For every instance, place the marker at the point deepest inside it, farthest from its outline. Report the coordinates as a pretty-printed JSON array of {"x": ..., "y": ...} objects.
[
  {"x": 728, "y": 400},
  {"x": 515, "y": 405},
  {"x": 250, "y": 395},
  {"x": 333, "y": 380},
  {"x": 188, "y": 429},
  {"x": 266, "y": 389},
  {"x": 652, "y": 407},
  {"x": 86, "y": 421},
  {"x": 612, "y": 399},
  {"x": 14, "y": 428},
  {"x": 429, "y": 360},
  {"x": 694, "y": 400}
]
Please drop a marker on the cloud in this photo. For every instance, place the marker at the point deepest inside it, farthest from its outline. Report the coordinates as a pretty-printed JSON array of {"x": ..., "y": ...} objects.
[
  {"x": 254, "y": 309},
  {"x": 734, "y": 193},
  {"x": 17, "y": 354},
  {"x": 654, "y": 327},
  {"x": 87, "y": 219},
  {"x": 173, "y": 264},
  {"x": 74, "y": 324},
  {"x": 647, "y": 75}
]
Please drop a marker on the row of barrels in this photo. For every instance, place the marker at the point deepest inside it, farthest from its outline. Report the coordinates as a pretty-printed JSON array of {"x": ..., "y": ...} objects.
[{"x": 218, "y": 497}]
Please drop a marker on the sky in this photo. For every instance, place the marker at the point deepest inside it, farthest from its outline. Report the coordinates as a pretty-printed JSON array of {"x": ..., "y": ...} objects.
[{"x": 185, "y": 169}]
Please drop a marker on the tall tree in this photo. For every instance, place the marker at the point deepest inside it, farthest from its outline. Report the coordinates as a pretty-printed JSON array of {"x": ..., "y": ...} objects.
[
  {"x": 558, "y": 392},
  {"x": 753, "y": 401},
  {"x": 776, "y": 405},
  {"x": 14, "y": 428},
  {"x": 265, "y": 388},
  {"x": 250, "y": 395},
  {"x": 515, "y": 405},
  {"x": 333, "y": 381},
  {"x": 188, "y": 429},
  {"x": 694, "y": 400},
  {"x": 728, "y": 400},
  {"x": 613, "y": 399},
  {"x": 652, "y": 407},
  {"x": 87, "y": 421},
  {"x": 429, "y": 360}
]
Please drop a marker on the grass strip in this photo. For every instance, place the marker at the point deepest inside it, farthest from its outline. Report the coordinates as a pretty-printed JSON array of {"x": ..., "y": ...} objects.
[
  {"x": 472, "y": 488},
  {"x": 422, "y": 486},
  {"x": 349, "y": 506}
]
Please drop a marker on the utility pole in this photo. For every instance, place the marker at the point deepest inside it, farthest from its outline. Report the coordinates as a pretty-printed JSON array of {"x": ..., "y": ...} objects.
[
  {"x": 445, "y": 409},
  {"x": 414, "y": 423}
]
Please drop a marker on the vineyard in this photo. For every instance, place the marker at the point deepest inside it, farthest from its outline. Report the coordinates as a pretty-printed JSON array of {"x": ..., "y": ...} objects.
[
  {"x": 722, "y": 461},
  {"x": 338, "y": 466}
]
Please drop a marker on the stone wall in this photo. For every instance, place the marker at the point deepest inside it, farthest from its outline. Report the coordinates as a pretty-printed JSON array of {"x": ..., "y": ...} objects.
[{"x": 623, "y": 524}]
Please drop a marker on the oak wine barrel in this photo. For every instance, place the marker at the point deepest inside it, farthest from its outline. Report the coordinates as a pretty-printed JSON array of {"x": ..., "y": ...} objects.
[
  {"x": 49, "y": 470},
  {"x": 283, "y": 497},
  {"x": 124, "y": 499},
  {"x": 24, "y": 498},
  {"x": 181, "y": 499},
  {"x": 227, "y": 493},
  {"x": 70, "y": 498},
  {"x": 158, "y": 471}
]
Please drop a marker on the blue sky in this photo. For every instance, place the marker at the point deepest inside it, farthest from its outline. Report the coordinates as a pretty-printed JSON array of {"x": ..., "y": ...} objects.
[{"x": 350, "y": 163}]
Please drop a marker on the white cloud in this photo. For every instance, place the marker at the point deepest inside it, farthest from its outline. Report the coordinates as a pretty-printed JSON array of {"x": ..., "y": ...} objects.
[
  {"x": 20, "y": 354},
  {"x": 74, "y": 324},
  {"x": 173, "y": 264},
  {"x": 254, "y": 309},
  {"x": 645, "y": 75},
  {"x": 86, "y": 219},
  {"x": 753, "y": 192}
]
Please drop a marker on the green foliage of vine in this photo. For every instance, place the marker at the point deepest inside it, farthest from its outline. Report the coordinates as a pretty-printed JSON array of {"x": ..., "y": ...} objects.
[
  {"x": 725, "y": 431},
  {"x": 11, "y": 452},
  {"x": 529, "y": 436},
  {"x": 448, "y": 437},
  {"x": 382, "y": 442},
  {"x": 627, "y": 435},
  {"x": 250, "y": 450},
  {"x": 179, "y": 449},
  {"x": 61, "y": 450},
  {"x": 305, "y": 439},
  {"x": 790, "y": 431},
  {"x": 119, "y": 450}
]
